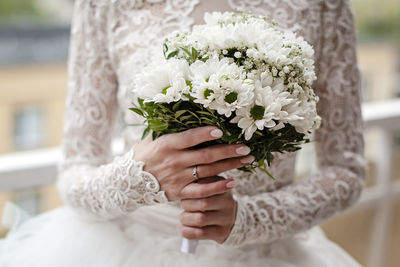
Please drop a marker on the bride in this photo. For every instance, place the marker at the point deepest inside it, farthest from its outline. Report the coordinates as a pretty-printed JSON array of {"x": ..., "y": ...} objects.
[{"x": 133, "y": 210}]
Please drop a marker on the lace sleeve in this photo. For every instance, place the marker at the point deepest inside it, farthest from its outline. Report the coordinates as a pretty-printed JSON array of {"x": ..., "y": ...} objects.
[
  {"x": 87, "y": 179},
  {"x": 339, "y": 146}
]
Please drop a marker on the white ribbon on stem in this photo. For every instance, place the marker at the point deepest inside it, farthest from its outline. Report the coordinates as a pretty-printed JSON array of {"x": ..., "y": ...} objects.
[{"x": 189, "y": 246}]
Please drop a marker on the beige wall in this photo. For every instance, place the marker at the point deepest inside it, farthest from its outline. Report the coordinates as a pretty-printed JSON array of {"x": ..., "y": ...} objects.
[
  {"x": 379, "y": 66},
  {"x": 43, "y": 85}
]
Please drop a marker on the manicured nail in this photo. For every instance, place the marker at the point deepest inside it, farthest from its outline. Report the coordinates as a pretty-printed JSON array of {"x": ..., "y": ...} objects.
[
  {"x": 230, "y": 184},
  {"x": 243, "y": 150},
  {"x": 247, "y": 160},
  {"x": 216, "y": 133}
]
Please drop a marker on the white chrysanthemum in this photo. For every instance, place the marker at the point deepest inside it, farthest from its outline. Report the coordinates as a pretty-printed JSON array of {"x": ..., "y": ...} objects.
[
  {"x": 302, "y": 114},
  {"x": 206, "y": 78},
  {"x": 266, "y": 111},
  {"x": 233, "y": 94},
  {"x": 202, "y": 71},
  {"x": 163, "y": 81}
]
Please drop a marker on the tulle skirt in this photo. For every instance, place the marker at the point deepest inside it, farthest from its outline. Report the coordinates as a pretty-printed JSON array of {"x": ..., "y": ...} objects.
[{"x": 149, "y": 237}]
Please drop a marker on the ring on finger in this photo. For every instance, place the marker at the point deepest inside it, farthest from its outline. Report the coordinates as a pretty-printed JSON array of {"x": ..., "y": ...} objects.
[{"x": 195, "y": 175}]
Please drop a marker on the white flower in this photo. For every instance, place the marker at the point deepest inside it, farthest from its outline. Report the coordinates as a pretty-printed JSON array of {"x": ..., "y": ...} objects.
[
  {"x": 237, "y": 54},
  {"x": 163, "y": 81},
  {"x": 266, "y": 112},
  {"x": 302, "y": 114},
  {"x": 233, "y": 94},
  {"x": 206, "y": 78}
]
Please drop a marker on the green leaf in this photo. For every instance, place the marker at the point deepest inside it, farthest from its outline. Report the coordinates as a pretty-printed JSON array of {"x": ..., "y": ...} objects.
[
  {"x": 145, "y": 132},
  {"x": 204, "y": 59},
  {"x": 205, "y": 119},
  {"x": 179, "y": 113},
  {"x": 176, "y": 105},
  {"x": 258, "y": 133},
  {"x": 193, "y": 113},
  {"x": 205, "y": 113},
  {"x": 157, "y": 125},
  {"x": 138, "y": 111},
  {"x": 195, "y": 54},
  {"x": 172, "y": 54},
  {"x": 186, "y": 51},
  {"x": 211, "y": 111},
  {"x": 140, "y": 101},
  {"x": 208, "y": 122},
  {"x": 183, "y": 118},
  {"x": 269, "y": 158}
]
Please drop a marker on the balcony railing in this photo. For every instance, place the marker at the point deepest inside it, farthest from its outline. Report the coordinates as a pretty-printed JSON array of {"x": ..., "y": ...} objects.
[{"x": 37, "y": 168}]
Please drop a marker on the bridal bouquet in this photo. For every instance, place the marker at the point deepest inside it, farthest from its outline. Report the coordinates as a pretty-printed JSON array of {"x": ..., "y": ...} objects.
[{"x": 237, "y": 72}]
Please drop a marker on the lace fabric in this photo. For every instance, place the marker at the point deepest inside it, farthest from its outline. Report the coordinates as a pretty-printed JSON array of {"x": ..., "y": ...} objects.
[{"x": 113, "y": 40}]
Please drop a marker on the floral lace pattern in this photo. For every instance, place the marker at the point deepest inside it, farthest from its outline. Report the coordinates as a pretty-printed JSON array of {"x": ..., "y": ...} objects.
[
  {"x": 113, "y": 40},
  {"x": 114, "y": 189}
]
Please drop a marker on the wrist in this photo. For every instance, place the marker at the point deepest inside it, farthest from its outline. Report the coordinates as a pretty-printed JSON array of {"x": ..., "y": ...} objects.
[{"x": 145, "y": 183}]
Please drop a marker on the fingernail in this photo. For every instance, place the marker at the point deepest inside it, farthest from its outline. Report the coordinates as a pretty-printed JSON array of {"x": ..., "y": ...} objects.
[
  {"x": 216, "y": 133},
  {"x": 247, "y": 160},
  {"x": 230, "y": 184},
  {"x": 243, "y": 150}
]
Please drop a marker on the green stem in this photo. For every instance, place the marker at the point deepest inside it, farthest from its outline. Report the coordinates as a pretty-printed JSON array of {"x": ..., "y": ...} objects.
[{"x": 267, "y": 172}]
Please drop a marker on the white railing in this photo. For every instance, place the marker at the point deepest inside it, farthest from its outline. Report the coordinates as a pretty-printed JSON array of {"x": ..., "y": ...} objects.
[
  {"x": 382, "y": 196},
  {"x": 36, "y": 168}
]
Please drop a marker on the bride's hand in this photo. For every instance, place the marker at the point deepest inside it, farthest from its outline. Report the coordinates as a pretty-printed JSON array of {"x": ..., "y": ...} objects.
[
  {"x": 208, "y": 218},
  {"x": 171, "y": 162}
]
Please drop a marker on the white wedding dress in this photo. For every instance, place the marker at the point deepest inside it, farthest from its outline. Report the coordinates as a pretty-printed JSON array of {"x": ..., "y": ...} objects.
[{"x": 116, "y": 215}]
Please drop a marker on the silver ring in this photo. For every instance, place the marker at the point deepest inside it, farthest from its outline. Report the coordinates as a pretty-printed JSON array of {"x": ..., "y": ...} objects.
[{"x": 195, "y": 172}]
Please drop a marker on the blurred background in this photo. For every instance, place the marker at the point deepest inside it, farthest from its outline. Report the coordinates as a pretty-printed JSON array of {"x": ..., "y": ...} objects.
[{"x": 34, "y": 37}]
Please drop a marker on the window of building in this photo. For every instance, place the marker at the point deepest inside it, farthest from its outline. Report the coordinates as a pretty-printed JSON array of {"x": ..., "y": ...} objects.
[{"x": 28, "y": 128}]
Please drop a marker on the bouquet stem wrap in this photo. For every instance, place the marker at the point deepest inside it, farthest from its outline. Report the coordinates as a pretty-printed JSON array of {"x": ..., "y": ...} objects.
[{"x": 189, "y": 246}]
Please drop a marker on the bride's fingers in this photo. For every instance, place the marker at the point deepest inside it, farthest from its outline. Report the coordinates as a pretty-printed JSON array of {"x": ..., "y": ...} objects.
[
  {"x": 220, "y": 166},
  {"x": 215, "y": 153},
  {"x": 198, "y": 190},
  {"x": 213, "y": 232},
  {"x": 201, "y": 219},
  {"x": 191, "y": 137},
  {"x": 204, "y": 204}
]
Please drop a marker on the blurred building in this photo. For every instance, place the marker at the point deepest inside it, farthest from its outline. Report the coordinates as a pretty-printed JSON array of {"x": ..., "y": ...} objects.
[{"x": 33, "y": 78}]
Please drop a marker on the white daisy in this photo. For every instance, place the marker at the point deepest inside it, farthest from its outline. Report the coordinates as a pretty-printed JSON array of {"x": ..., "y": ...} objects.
[
  {"x": 163, "y": 81},
  {"x": 266, "y": 112},
  {"x": 206, "y": 78},
  {"x": 232, "y": 95}
]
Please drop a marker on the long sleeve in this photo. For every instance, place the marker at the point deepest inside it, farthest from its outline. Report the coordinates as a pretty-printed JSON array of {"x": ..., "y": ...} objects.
[
  {"x": 88, "y": 179},
  {"x": 337, "y": 184}
]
